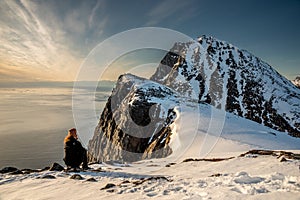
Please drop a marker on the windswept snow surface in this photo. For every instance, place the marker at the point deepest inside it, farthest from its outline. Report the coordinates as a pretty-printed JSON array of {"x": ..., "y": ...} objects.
[{"x": 249, "y": 177}]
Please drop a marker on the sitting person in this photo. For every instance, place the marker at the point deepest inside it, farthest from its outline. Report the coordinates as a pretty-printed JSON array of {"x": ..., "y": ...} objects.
[{"x": 75, "y": 154}]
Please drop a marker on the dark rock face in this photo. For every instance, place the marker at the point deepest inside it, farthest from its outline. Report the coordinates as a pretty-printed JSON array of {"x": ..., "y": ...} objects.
[
  {"x": 234, "y": 80},
  {"x": 135, "y": 122}
]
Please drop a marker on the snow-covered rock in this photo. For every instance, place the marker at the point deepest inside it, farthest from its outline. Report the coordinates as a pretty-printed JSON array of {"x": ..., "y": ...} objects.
[
  {"x": 233, "y": 80},
  {"x": 135, "y": 122},
  {"x": 296, "y": 82}
]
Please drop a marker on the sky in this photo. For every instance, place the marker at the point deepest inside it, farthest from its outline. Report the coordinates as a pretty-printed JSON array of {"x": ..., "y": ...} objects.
[{"x": 48, "y": 40}]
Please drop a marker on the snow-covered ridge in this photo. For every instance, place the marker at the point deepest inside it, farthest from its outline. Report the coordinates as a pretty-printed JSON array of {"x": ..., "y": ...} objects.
[{"x": 233, "y": 80}]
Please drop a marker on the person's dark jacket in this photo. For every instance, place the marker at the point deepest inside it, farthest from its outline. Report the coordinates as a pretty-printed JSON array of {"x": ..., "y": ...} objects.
[{"x": 75, "y": 154}]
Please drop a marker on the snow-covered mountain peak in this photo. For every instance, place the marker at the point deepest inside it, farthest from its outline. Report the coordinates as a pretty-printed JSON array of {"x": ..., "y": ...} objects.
[
  {"x": 233, "y": 80},
  {"x": 140, "y": 118}
]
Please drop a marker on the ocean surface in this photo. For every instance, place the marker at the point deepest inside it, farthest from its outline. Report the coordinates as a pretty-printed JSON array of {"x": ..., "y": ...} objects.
[{"x": 35, "y": 120}]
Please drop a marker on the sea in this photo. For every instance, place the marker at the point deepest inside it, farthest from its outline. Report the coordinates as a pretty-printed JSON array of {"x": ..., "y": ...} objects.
[{"x": 35, "y": 118}]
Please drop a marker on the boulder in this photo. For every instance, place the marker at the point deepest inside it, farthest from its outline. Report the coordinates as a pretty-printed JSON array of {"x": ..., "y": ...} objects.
[{"x": 56, "y": 167}]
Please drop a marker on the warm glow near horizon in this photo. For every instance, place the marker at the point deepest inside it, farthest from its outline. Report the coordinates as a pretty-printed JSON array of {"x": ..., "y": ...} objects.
[{"x": 49, "y": 40}]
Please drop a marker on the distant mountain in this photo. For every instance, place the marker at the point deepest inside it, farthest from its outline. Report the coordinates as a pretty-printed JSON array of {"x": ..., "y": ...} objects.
[
  {"x": 233, "y": 80},
  {"x": 296, "y": 82}
]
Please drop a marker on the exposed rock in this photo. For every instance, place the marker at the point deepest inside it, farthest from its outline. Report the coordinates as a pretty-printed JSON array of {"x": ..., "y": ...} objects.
[
  {"x": 282, "y": 159},
  {"x": 296, "y": 82},
  {"x": 45, "y": 169},
  {"x": 278, "y": 154},
  {"x": 91, "y": 180},
  {"x": 8, "y": 170},
  {"x": 143, "y": 180},
  {"x": 170, "y": 164},
  {"x": 16, "y": 172},
  {"x": 216, "y": 175},
  {"x": 29, "y": 171},
  {"x": 48, "y": 176},
  {"x": 76, "y": 177},
  {"x": 233, "y": 80},
  {"x": 207, "y": 159},
  {"x": 108, "y": 185},
  {"x": 135, "y": 122},
  {"x": 56, "y": 167}
]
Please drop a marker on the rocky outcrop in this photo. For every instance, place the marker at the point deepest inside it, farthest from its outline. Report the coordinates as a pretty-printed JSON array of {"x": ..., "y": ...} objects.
[
  {"x": 135, "y": 122},
  {"x": 296, "y": 82},
  {"x": 218, "y": 73}
]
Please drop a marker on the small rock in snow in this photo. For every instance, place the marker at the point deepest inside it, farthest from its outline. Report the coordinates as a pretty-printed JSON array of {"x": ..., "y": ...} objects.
[
  {"x": 76, "y": 176},
  {"x": 8, "y": 169},
  {"x": 48, "y": 176},
  {"x": 108, "y": 185},
  {"x": 91, "y": 180},
  {"x": 56, "y": 167},
  {"x": 282, "y": 159}
]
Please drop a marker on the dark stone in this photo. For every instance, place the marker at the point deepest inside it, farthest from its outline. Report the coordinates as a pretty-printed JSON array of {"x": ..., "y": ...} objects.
[
  {"x": 125, "y": 182},
  {"x": 48, "y": 176},
  {"x": 216, "y": 175},
  {"x": 207, "y": 159},
  {"x": 8, "y": 170},
  {"x": 76, "y": 177},
  {"x": 56, "y": 167},
  {"x": 282, "y": 159},
  {"x": 16, "y": 172},
  {"x": 91, "y": 180},
  {"x": 108, "y": 185},
  {"x": 153, "y": 178},
  {"x": 45, "y": 169},
  {"x": 170, "y": 164},
  {"x": 29, "y": 171}
]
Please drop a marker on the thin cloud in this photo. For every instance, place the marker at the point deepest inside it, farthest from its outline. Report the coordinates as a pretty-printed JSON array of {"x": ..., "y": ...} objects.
[
  {"x": 169, "y": 8},
  {"x": 28, "y": 45},
  {"x": 93, "y": 13}
]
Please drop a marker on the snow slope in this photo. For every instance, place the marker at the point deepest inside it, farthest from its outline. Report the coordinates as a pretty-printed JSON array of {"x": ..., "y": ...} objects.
[
  {"x": 262, "y": 177},
  {"x": 249, "y": 177}
]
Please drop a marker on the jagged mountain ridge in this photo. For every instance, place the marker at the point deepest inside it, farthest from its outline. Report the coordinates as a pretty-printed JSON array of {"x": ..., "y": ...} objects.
[
  {"x": 218, "y": 73},
  {"x": 136, "y": 121}
]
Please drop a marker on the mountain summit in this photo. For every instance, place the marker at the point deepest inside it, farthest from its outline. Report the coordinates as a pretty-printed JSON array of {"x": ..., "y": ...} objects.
[{"x": 233, "y": 80}]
